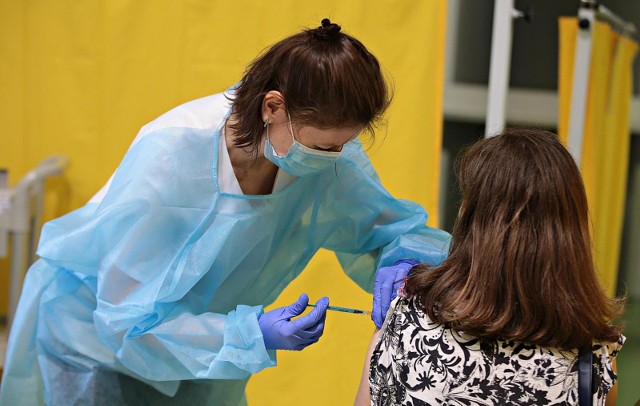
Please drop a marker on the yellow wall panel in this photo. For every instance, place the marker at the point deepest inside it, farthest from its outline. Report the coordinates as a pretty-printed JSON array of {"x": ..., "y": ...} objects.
[{"x": 80, "y": 78}]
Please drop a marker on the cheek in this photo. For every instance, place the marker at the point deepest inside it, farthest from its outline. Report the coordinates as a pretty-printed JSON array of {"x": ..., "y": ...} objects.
[{"x": 280, "y": 140}]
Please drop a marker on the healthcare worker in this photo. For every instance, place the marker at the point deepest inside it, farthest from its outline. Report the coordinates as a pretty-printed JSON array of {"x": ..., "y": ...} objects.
[{"x": 153, "y": 292}]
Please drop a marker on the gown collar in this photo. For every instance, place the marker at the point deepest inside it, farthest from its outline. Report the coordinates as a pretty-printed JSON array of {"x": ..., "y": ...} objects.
[{"x": 224, "y": 177}]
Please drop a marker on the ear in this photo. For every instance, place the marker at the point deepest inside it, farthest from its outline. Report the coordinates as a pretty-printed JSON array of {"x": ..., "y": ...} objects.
[{"x": 273, "y": 107}]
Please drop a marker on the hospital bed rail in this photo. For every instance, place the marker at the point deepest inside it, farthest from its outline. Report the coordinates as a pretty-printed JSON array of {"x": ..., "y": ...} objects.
[{"x": 21, "y": 210}]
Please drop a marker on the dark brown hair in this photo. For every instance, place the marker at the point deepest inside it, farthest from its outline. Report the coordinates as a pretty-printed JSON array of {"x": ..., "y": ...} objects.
[
  {"x": 328, "y": 80},
  {"x": 520, "y": 266}
]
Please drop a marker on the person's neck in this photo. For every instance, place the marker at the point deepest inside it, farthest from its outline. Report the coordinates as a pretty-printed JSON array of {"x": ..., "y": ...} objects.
[{"x": 255, "y": 174}]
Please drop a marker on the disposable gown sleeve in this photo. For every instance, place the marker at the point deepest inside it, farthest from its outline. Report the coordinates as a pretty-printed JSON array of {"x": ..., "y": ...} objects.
[
  {"x": 373, "y": 229},
  {"x": 146, "y": 244}
]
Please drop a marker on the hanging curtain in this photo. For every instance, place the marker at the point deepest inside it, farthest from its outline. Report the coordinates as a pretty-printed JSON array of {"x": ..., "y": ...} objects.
[
  {"x": 605, "y": 155},
  {"x": 81, "y": 77}
]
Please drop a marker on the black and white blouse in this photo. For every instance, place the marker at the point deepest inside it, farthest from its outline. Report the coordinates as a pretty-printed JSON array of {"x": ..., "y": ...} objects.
[{"x": 419, "y": 362}]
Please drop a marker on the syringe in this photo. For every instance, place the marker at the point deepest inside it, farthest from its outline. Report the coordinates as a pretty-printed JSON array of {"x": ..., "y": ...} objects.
[{"x": 345, "y": 310}]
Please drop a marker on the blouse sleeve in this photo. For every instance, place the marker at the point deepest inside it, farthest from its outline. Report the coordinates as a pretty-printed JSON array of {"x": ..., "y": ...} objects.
[
  {"x": 607, "y": 352},
  {"x": 383, "y": 379},
  {"x": 144, "y": 244}
]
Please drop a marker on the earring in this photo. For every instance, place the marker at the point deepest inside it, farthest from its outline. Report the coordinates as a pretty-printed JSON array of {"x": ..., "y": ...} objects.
[{"x": 266, "y": 123}]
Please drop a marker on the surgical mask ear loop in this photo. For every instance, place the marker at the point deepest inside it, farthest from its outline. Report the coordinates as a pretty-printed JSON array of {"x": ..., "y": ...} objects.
[
  {"x": 290, "y": 126},
  {"x": 266, "y": 125}
]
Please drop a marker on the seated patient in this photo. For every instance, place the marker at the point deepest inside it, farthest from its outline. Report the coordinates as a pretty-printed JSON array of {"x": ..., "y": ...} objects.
[{"x": 501, "y": 320}]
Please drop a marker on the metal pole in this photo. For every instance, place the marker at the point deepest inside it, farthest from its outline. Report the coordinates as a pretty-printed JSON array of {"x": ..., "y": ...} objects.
[
  {"x": 24, "y": 224},
  {"x": 19, "y": 254},
  {"x": 625, "y": 27},
  {"x": 580, "y": 86},
  {"x": 501, "y": 38}
]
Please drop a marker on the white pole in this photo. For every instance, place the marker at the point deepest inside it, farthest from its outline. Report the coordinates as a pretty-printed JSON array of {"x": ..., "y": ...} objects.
[
  {"x": 503, "y": 14},
  {"x": 24, "y": 223},
  {"x": 580, "y": 86},
  {"x": 19, "y": 255}
]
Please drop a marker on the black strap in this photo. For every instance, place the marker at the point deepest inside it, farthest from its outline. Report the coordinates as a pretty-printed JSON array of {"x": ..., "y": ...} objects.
[{"x": 585, "y": 360}]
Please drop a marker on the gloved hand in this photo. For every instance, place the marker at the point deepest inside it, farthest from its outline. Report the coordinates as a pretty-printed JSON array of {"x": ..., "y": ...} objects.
[
  {"x": 388, "y": 281},
  {"x": 281, "y": 333}
]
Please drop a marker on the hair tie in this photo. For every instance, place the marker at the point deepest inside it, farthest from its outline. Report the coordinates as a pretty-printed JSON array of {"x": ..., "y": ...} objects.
[{"x": 327, "y": 31}]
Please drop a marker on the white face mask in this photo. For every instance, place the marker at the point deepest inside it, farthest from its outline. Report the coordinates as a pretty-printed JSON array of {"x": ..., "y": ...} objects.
[{"x": 301, "y": 160}]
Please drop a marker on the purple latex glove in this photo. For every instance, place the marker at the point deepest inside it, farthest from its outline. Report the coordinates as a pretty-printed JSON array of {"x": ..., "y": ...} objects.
[
  {"x": 388, "y": 281},
  {"x": 282, "y": 333}
]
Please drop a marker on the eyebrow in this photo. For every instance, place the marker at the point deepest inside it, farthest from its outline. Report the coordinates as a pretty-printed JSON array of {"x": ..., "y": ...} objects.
[{"x": 323, "y": 148}]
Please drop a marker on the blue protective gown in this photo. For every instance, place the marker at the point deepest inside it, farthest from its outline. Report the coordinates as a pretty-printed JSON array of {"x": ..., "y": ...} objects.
[{"x": 152, "y": 291}]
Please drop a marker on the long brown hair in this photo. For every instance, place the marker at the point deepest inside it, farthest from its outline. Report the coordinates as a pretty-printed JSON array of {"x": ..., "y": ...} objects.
[
  {"x": 520, "y": 266},
  {"x": 328, "y": 80}
]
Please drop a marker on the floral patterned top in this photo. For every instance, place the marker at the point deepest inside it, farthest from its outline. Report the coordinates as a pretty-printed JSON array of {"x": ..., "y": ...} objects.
[{"x": 419, "y": 362}]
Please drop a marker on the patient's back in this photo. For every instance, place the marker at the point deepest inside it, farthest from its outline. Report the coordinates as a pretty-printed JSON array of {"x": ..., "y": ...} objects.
[{"x": 417, "y": 360}]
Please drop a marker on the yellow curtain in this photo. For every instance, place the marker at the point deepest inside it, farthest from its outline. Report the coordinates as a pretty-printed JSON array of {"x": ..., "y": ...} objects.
[
  {"x": 81, "y": 77},
  {"x": 605, "y": 156}
]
